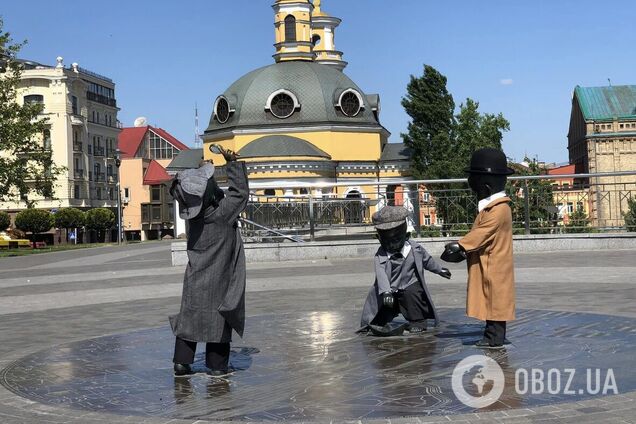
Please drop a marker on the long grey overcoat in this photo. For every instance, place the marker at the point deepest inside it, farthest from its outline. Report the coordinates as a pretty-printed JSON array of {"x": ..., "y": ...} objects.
[
  {"x": 213, "y": 299},
  {"x": 423, "y": 260}
]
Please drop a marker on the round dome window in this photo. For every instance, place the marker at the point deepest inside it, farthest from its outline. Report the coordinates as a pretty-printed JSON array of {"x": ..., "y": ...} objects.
[
  {"x": 282, "y": 105},
  {"x": 350, "y": 103},
  {"x": 222, "y": 110}
]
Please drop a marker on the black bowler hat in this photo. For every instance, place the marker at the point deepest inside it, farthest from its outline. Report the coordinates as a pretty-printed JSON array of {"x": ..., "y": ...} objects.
[{"x": 489, "y": 161}]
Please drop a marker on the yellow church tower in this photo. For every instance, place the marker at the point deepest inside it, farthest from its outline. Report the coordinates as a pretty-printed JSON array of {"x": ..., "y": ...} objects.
[
  {"x": 293, "y": 30},
  {"x": 323, "y": 38}
]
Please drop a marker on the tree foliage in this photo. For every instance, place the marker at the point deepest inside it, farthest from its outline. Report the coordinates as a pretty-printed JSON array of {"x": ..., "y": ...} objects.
[
  {"x": 541, "y": 209},
  {"x": 5, "y": 220},
  {"x": 630, "y": 215},
  {"x": 578, "y": 222},
  {"x": 442, "y": 143},
  {"x": 100, "y": 219},
  {"x": 26, "y": 167},
  {"x": 34, "y": 221},
  {"x": 66, "y": 218}
]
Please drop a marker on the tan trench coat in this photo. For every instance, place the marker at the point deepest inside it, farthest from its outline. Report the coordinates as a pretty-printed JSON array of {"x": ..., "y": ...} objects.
[{"x": 491, "y": 279}]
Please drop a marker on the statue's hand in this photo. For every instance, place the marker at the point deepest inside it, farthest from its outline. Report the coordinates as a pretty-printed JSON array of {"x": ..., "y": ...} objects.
[
  {"x": 388, "y": 300},
  {"x": 453, "y": 252},
  {"x": 445, "y": 273}
]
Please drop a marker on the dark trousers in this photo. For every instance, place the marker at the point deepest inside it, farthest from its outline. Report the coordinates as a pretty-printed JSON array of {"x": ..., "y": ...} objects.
[
  {"x": 495, "y": 332},
  {"x": 411, "y": 303},
  {"x": 217, "y": 355}
]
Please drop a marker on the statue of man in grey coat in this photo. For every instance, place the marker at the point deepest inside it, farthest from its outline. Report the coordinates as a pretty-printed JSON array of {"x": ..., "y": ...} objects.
[{"x": 213, "y": 299}]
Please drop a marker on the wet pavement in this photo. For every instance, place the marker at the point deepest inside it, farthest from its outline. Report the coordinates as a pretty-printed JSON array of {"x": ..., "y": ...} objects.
[
  {"x": 104, "y": 354},
  {"x": 313, "y": 366}
]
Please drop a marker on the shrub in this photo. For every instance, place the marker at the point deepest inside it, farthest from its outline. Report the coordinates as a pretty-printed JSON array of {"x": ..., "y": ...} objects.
[
  {"x": 630, "y": 215},
  {"x": 5, "y": 220},
  {"x": 34, "y": 221},
  {"x": 430, "y": 231},
  {"x": 578, "y": 222}
]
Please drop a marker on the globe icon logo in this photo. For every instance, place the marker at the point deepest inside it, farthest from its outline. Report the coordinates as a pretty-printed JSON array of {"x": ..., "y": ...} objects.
[{"x": 478, "y": 381}]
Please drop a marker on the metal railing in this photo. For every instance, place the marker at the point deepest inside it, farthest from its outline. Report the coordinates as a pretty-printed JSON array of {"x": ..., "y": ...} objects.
[{"x": 542, "y": 204}]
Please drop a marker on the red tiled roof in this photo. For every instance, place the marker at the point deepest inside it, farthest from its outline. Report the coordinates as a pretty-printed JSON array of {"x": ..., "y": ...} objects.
[
  {"x": 156, "y": 174},
  {"x": 565, "y": 169},
  {"x": 130, "y": 138}
]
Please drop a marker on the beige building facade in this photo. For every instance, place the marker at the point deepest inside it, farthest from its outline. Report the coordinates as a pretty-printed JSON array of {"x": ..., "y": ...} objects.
[
  {"x": 602, "y": 138},
  {"x": 82, "y": 134}
]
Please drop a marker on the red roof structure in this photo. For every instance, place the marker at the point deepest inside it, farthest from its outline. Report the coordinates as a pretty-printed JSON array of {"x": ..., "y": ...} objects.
[
  {"x": 131, "y": 138},
  {"x": 156, "y": 174}
]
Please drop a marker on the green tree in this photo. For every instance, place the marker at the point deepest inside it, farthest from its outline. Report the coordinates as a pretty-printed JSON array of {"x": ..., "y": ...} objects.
[
  {"x": 578, "y": 222},
  {"x": 5, "y": 220},
  {"x": 34, "y": 221},
  {"x": 630, "y": 215},
  {"x": 67, "y": 218},
  {"x": 541, "y": 209},
  {"x": 100, "y": 220},
  {"x": 24, "y": 168},
  {"x": 442, "y": 143},
  {"x": 431, "y": 108}
]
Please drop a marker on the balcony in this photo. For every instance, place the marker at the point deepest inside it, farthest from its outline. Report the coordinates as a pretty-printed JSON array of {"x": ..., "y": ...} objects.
[
  {"x": 78, "y": 146},
  {"x": 100, "y": 177},
  {"x": 101, "y": 99},
  {"x": 78, "y": 174},
  {"x": 156, "y": 213},
  {"x": 98, "y": 151},
  {"x": 111, "y": 178}
]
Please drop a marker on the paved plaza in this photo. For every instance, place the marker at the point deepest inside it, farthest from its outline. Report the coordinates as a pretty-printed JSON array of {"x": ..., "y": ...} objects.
[{"x": 85, "y": 339}]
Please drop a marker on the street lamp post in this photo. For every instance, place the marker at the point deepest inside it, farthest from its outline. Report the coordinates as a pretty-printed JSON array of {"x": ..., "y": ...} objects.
[{"x": 118, "y": 164}]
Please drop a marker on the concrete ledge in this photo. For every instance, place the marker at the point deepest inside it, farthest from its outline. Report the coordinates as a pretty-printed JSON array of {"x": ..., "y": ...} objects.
[{"x": 282, "y": 252}]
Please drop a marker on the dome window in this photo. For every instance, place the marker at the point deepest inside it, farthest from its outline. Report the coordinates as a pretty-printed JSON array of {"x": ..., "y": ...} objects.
[
  {"x": 222, "y": 110},
  {"x": 282, "y": 104},
  {"x": 350, "y": 103}
]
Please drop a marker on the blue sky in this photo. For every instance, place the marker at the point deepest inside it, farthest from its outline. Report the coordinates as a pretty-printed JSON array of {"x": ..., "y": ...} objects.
[{"x": 521, "y": 58}]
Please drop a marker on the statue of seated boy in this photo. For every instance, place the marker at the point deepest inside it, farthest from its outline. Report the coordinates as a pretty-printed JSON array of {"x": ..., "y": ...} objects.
[{"x": 399, "y": 279}]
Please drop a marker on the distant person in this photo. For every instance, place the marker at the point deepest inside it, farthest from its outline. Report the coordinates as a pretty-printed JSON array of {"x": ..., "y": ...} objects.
[
  {"x": 488, "y": 248},
  {"x": 399, "y": 278},
  {"x": 213, "y": 299}
]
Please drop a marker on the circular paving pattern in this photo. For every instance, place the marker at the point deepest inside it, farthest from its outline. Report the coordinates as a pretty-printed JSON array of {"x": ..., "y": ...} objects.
[{"x": 314, "y": 367}]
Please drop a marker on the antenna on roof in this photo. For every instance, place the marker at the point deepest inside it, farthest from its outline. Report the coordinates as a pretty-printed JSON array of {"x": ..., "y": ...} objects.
[
  {"x": 197, "y": 138},
  {"x": 609, "y": 81}
]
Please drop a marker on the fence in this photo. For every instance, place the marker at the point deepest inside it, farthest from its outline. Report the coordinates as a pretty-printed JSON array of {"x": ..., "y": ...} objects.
[{"x": 540, "y": 204}]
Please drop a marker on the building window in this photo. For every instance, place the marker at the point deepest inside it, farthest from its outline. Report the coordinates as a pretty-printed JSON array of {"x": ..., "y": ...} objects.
[
  {"x": 222, "y": 110},
  {"x": 99, "y": 193},
  {"x": 315, "y": 40},
  {"x": 579, "y": 206},
  {"x": 127, "y": 193},
  {"x": 47, "y": 140},
  {"x": 156, "y": 213},
  {"x": 290, "y": 28},
  {"x": 427, "y": 220},
  {"x": 570, "y": 208},
  {"x": 111, "y": 194},
  {"x": 282, "y": 104},
  {"x": 350, "y": 103},
  {"x": 270, "y": 192},
  {"x": 160, "y": 148},
  {"x": 34, "y": 99},
  {"x": 74, "y": 105},
  {"x": 76, "y": 192},
  {"x": 426, "y": 197},
  {"x": 155, "y": 193}
]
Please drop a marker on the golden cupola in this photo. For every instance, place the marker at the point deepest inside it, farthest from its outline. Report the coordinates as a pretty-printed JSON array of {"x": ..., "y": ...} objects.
[
  {"x": 323, "y": 38},
  {"x": 293, "y": 30}
]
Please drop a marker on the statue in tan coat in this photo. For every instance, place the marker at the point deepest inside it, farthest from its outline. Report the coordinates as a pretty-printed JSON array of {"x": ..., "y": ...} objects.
[{"x": 488, "y": 248}]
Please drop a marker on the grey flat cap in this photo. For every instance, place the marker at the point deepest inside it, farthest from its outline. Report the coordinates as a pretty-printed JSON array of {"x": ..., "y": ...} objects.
[
  {"x": 390, "y": 217},
  {"x": 192, "y": 185}
]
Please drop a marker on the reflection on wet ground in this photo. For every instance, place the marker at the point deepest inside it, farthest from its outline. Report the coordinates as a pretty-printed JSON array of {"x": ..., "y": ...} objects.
[{"x": 313, "y": 366}]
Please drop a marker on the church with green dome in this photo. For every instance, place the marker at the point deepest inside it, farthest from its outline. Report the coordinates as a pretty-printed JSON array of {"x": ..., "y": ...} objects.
[{"x": 302, "y": 120}]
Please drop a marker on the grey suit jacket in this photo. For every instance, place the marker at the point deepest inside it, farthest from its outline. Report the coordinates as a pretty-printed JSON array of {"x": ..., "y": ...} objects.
[{"x": 422, "y": 261}]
